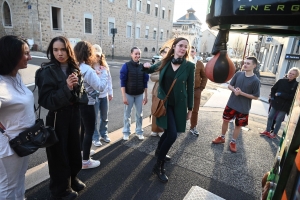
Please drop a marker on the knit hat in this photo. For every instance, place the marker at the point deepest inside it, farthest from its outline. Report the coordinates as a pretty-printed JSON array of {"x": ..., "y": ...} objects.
[{"x": 98, "y": 49}]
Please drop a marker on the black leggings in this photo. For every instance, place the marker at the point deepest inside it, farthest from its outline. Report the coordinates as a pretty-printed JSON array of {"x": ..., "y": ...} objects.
[
  {"x": 88, "y": 121},
  {"x": 169, "y": 136}
]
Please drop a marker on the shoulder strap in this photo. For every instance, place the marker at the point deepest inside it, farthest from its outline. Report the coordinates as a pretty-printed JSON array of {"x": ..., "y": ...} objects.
[{"x": 170, "y": 89}]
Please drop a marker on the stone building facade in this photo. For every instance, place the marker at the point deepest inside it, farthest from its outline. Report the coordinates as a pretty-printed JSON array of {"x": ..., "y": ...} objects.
[
  {"x": 189, "y": 26},
  {"x": 141, "y": 23},
  {"x": 207, "y": 41}
]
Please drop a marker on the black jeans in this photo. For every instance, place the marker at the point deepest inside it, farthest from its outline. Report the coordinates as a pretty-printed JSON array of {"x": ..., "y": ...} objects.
[
  {"x": 169, "y": 136},
  {"x": 88, "y": 120},
  {"x": 64, "y": 158}
]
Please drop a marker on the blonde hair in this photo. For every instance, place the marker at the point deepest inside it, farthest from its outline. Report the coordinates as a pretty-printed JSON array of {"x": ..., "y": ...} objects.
[{"x": 294, "y": 69}]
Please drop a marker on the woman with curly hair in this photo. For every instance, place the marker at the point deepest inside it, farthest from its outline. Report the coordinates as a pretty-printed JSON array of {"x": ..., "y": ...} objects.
[{"x": 85, "y": 55}]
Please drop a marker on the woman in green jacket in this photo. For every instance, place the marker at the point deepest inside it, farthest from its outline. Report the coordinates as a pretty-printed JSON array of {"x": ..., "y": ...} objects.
[{"x": 179, "y": 105}]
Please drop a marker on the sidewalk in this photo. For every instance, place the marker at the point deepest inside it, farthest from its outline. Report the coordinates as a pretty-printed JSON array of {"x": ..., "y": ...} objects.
[{"x": 125, "y": 170}]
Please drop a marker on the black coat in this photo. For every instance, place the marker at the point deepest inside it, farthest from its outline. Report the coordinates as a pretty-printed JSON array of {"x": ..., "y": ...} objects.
[
  {"x": 287, "y": 90},
  {"x": 53, "y": 91}
]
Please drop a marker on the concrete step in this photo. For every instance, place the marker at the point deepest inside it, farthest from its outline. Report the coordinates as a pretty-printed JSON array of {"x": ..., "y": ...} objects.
[
  {"x": 267, "y": 80},
  {"x": 198, "y": 193}
]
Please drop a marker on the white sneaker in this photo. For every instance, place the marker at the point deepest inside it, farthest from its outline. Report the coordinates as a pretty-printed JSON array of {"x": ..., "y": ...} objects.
[
  {"x": 105, "y": 139},
  {"x": 154, "y": 134},
  {"x": 90, "y": 164},
  {"x": 92, "y": 152},
  {"x": 125, "y": 137},
  {"x": 160, "y": 134},
  {"x": 97, "y": 143},
  {"x": 141, "y": 137}
]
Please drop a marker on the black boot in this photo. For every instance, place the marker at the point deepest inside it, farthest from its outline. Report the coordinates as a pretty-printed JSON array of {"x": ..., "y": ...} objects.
[
  {"x": 167, "y": 158},
  {"x": 77, "y": 185},
  {"x": 159, "y": 170}
]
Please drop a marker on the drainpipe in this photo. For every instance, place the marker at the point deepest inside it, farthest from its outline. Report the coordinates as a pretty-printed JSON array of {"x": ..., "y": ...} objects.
[
  {"x": 101, "y": 22},
  {"x": 40, "y": 25},
  {"x": 158, "y": 29},
  {"x": 134, "y": 24}
]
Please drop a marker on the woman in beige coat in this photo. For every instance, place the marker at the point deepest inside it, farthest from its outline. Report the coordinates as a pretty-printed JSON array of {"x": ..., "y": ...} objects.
[{"x": 156, "y": 130}]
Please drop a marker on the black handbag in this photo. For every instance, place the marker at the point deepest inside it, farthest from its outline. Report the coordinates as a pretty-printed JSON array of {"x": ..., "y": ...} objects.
[{"x": 35, "y": 137}]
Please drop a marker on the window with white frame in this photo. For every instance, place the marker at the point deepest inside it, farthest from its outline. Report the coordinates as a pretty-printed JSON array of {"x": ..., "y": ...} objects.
[
  {"x": 154, "y": 34},
  {"x": 169, "y": 15},
  {"x": 6, "y": 15},
  {"x": 128, "y": 29},
  {"x": 137, "y": 31},
  {"x": 161, "y": 34},
  {"x": 88, "y": 23},
  {"x": 163, "y": 13},
  {"x": 147, "y": 32},
  {"x": 148, "y": 7},
  {"x": 139, "y": 5},
  {"x": 129, "y": 3},
  {"x": 56, "y": 18},
  {"x": 167, "y": 34},
  {"x": 111, "y": 24},
  {"x": 156, "y": 10}
]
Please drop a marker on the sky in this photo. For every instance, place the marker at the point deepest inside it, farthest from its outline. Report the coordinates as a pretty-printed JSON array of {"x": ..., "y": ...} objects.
[{"x": 200, "y": 6}]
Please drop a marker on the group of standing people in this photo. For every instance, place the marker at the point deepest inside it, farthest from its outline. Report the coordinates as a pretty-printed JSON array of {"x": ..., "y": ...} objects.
[
  {"x": 70, "y": 76},
  {"x": 72, "y": 86}
]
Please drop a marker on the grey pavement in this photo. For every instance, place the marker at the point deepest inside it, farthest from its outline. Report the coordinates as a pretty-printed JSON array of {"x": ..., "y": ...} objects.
[{"x": 125, "y": 172}]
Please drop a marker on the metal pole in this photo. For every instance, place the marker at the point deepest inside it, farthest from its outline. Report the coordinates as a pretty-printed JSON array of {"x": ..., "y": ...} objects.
[
  {"x": 112, "y": 47},
  {"x": 245, "y": 48}
]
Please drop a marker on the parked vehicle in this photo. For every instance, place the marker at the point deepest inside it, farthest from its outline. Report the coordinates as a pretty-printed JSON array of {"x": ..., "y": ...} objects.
[
  {"x": 200, "y": 58},
  {"x": 156, "y": 58}
]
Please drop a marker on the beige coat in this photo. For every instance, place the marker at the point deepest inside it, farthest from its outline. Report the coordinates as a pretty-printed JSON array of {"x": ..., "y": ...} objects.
[{"x": 154, "y": 77}]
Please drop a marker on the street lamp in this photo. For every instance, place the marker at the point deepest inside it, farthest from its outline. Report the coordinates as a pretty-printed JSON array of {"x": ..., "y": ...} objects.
[{"x": 113, "y": 31}]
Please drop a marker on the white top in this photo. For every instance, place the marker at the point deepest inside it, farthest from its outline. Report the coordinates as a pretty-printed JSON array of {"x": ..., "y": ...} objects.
[
  {"x": 92, "y": 81},
  {"x": 108, "y": 89},
  {"x": 16, "y": 110}
]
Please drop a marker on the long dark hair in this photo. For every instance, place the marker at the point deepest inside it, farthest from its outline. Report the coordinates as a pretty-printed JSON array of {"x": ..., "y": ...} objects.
[
  {"x": 84, "y": 52},
  {"x": 170, "y": 54},
  {"x": 71, "y": 60},
  {"x": 11, "y": 52}
]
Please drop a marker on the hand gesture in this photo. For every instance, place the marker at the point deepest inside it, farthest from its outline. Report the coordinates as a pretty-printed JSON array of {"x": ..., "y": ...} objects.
[
  {"x": 147, "y": 65},
  {"x": 237, "y": 91},
  {"x": 72, "y": 80},
  {"x": 110, "y": 97}
]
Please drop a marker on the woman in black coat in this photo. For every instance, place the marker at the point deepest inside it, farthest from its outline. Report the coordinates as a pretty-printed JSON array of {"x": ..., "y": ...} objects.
[
  {"x": 59, "y": 92},
  {"x": 282, "y": 95}
]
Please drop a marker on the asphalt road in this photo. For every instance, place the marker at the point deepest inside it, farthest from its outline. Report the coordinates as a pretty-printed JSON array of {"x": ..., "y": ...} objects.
[{"x": 115, "y": 107}]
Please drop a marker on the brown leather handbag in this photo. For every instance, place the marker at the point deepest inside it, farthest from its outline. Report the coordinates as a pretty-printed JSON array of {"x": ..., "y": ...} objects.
[{"x": 158, "y": 106}]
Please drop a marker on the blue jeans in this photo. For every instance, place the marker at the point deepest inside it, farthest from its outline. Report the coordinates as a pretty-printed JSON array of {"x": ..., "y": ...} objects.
[
  {"x": 279, "y": 119},
  {"x": 170, "y": 134},
  {"x": 102, "y": 106},
  {"x": 137, "y": 101}
]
